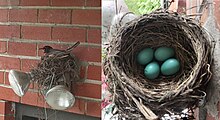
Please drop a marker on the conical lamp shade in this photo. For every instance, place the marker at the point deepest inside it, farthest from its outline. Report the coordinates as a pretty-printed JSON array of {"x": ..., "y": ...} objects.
[
  {"x": 60, "y": 98},
  {"x": 19, "y": 81}
]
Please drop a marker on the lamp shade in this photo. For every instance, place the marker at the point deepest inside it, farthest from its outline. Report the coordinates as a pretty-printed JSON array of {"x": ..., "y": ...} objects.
[
  {"x": 60, "y": 98},
  {"x": 19, "y": 81}
]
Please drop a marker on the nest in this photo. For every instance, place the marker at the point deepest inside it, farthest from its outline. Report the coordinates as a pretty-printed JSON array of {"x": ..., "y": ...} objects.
[
  {"x": 56, "y": 68},
  {"x": 137, "y": 97}
]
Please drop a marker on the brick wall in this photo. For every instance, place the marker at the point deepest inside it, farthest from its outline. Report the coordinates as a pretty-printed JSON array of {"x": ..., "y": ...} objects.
[
  {"x": 27, "y": 25},
  {"x": 6, "y": 110}
]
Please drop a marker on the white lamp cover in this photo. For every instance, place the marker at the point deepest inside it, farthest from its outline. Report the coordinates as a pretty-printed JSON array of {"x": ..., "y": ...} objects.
[
  {"x": 19, "y": 81},
  {"x": 60, "y": 98}
]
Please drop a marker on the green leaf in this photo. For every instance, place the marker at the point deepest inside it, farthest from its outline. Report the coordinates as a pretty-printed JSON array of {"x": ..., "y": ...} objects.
[{"x": 142, "y": 6}]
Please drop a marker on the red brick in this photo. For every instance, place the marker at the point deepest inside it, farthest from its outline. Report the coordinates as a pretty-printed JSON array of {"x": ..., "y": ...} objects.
[
  {"x": 23, "y": 15},
  {"x": 94, "y": 73},
  {"x": 181, "y": 6},
  {"x": 27, "y": 49},
  {"x": 1, "y": 77},
  {"x": 3, "y": 46},
  {"x": 83, "y": 70},
  {"x": 36, "y": 33},
  {"x": 9, "y": 63},
  {"x": 88, "y": 90},
  {"x": 6, "y": 78},
  {"x": 78, "y": 107},
  {"x": 9, "y": 31},
  {"x": 3, "y": 15},
  {"x": 34, "y": 2},
  {"x": 10, "y": 117},
  {"x": 69, "y": 34},
  {"x": 93, "y": 109},
  {"x": 2, "y": 107},
  {"x": 34, "y": 99},
  {"x": 88, "y": 54},
  {"x": 30, "y": 98},
  {"x": 87, "y": 17},
  {"x": 27, "y": 65},
  {"x": 8, "y": 94},
  {"x": 9, "y": 2},
  {"x": 8, "y": 108},
  {"x": 67, "y": 2},
  {"x": 94, "y": 36},
  {"x": 31, "y": 86},
  {"x": 93, "y": 3},
  {"x": 54, "y": 16}
]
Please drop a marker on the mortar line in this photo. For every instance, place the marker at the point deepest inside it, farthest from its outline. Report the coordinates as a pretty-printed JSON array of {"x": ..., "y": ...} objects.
[
  {"x": 51, "y": 25},
  {"x": 71, "y": 12},
  {"x": 97, "y": 82},
  {"x": 4, "y": 77},
  {"x": 20, "y": 57},
  {"x": 37, "y": 54},
  {"x": 38, "y": 11},
  {"x": 21, "y": 36},
  {"x": 83, "y": 44},
  {"x": 85, "y": 107},
  {"x": 89, "y": 99},
  {"x": 95, "y": 63}
]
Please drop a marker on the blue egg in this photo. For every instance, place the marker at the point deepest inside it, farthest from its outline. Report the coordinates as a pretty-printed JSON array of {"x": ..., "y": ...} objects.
[
  {"x": 170, "y": 67},
  {"x": 145, "y": 56},
  {"x": 164, "y": 53},
  {"x": 152, "y": 70}
]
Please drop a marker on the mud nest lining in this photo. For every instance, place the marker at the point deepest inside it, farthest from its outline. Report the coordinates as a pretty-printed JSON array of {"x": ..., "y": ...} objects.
[{"x": 137, "y": 97}]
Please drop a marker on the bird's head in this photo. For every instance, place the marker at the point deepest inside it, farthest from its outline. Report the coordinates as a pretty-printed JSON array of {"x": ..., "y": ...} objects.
[{"x": 46, "y": 49}]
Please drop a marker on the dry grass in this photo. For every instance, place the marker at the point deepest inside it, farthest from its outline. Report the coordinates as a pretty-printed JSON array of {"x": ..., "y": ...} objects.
[{"x": 56, "y": 68}]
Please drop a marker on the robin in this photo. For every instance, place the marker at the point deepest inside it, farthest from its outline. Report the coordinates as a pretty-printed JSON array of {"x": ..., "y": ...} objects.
[{"x": 49, "y": 49}]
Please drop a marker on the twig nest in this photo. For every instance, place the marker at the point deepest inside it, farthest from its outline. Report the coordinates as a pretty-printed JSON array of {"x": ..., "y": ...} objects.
[
  {"x": 135, "y": 95},
  {"x": 56, "y": 68}
]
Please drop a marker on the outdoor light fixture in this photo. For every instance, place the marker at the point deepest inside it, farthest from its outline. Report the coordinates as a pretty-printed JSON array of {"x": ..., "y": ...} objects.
[
  {"x": 19, "y": 81},
  {"x": 58, "y": 97}
]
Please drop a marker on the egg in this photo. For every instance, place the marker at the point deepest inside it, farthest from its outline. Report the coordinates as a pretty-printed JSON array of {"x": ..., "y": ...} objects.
[
  {"x": 163, "y": 53},
  {"x": 170, "y": 66},
  {"x": 152, "y": 70},
  {"x": 145, "y": 56}
]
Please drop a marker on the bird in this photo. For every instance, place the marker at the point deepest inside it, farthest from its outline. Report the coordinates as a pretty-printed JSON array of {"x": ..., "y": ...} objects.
[{"x": 51, "y": 50}]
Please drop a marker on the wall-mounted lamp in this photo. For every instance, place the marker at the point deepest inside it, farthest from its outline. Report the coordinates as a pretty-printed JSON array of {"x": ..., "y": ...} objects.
[
  {"x": 19, "y": 81},
  {"x": 54, "y": 74},
  {"x": 58, "y": 97}
]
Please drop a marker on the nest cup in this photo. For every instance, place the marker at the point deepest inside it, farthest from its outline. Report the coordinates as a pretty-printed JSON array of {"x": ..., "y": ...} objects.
[
  {"x": 137, "y": 97},
  {"x": 56, "y": 68}
]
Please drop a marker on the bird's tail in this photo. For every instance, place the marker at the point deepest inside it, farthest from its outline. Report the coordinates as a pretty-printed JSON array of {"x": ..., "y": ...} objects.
[{"x": 74, "y": 46}]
